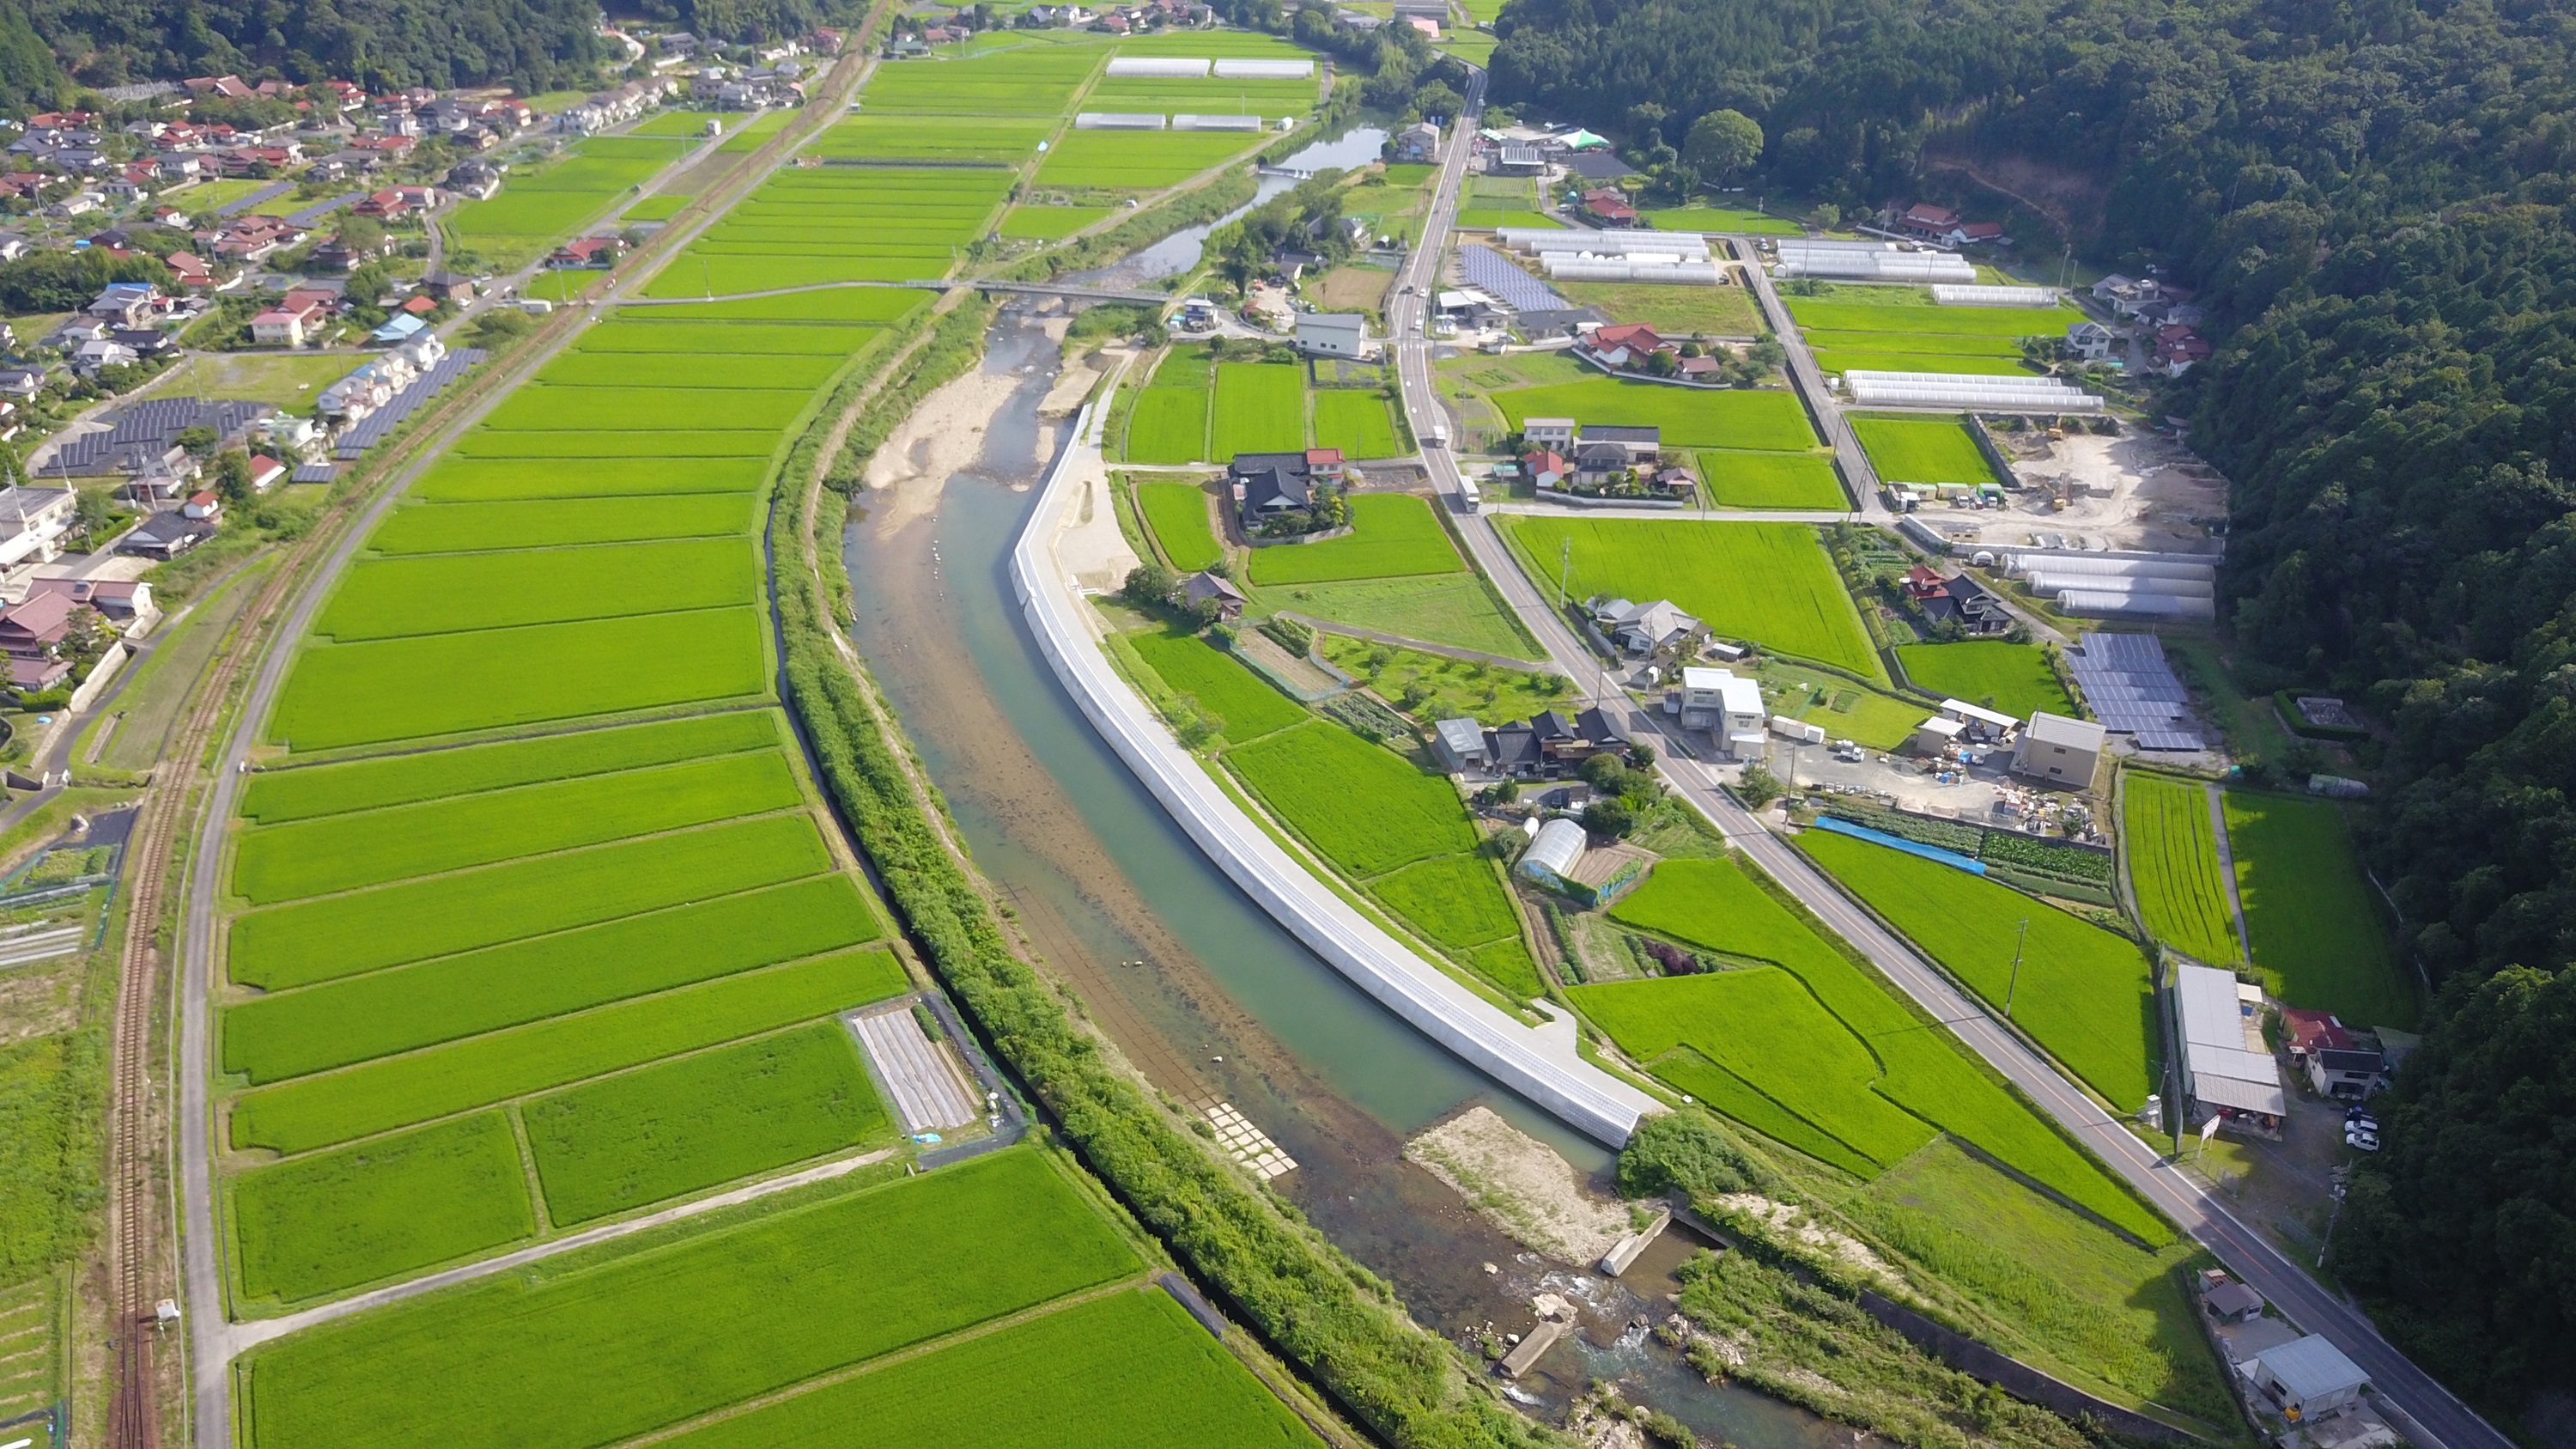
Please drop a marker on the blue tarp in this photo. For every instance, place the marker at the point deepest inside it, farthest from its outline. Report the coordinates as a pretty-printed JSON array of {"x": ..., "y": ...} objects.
[{"x": 1949, "y": 858}]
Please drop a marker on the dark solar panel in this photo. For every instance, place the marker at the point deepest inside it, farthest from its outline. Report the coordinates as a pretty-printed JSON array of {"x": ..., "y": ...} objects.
[
  {"x": 2132, "y": 690},
  {"x": 1484, "y": 267},
  {"x": 314, "y": 473},
  {"x": 371, "y": 429}
]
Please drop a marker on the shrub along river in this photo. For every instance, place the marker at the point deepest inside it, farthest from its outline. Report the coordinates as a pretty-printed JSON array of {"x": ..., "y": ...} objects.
[{"x": 1201, "y": 989}]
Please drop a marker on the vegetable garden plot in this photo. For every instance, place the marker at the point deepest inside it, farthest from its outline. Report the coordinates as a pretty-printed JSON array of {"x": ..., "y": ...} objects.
[
  {"x": 629, "y": 1140},
  {"x": 1923, "y": 450},
  {"x": 1771, "y": 480},
  {"x": 595, "y": 1347},
  {"x": 1049, "y": 223},
  {"x": 608, "y": 447},
  {"x": 541, "y": 407},
  {"x": 1178, "y": 515},
  {"x": 1128, "y": 1369},
  {"x": 478, "y": 480},
  {"x": 274, "y": 797},
  {"x": 1363, "y": 808},
  {"x": 1713, "y": 904},
  {"x": 393, "y": 1092},
  {"x": 393, "y": 598},
  {"x": 2083, "y": 992},
  {"x": 322, "y": 1224},
  {"x": 344, "y": 852},
  {"x": 1768, "y": 582},
  {"x": 2172, "y": 849},
  {"x": 556, "y": 522},
  {"x": 1689, "y": 417},
  {"x": 2315, "y": 929},
  {"x": 1189, "y": 664},
  {"x": 336, "y": 936},
  {"x": 1260, "y": 408},
  {"x": 1361, "y": 424},
  {"x": 694, "y": 370},
  {"x": 360, "y": 1018},
  {"x": 1393, "y": 534},
  {"x": 408, "y": 689},
  {"x": 625, "y": 333},
  {"x": 1742, "y": 1020},
  {"x": 2014, "y": 678}
]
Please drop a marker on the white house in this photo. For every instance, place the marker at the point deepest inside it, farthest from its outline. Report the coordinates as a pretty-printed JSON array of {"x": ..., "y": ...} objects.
[
  {"x": 2090, "y": 340},
  {"x": 1726, "y": 704},
  {"x": 32, "y": 524},
  {"x": 1333, "y": 334},
  {"x": 2060, "y": 750},
  {"x": 1555, "y": 435}
]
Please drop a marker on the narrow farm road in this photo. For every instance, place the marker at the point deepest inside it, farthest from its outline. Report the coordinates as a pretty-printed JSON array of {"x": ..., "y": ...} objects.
[{"x": 2429, "y": 1413}]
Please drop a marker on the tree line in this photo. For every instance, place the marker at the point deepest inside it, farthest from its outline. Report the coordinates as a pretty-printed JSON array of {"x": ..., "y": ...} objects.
[{"x": 2373, "y": 201}]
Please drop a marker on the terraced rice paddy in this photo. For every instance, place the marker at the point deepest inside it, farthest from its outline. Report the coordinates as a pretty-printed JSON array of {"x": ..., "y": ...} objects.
[
  {"x": 2171, "y": 844},
  {"x": 2315, "y": 927},
  {"x": 1393, "y": 535},
  {"x": 1836, "y": 1066},
  {"x": 1768, "y": 582},
  {"x": 2080, "y": 992},
  {"x": 1923, "y": 450}
]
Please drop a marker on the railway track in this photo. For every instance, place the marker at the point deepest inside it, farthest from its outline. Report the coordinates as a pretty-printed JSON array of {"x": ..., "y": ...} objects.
[{"x": 137, "y": 1205}]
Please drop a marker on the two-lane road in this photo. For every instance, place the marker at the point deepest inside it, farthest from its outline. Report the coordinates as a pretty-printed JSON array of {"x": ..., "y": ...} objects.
[{"x": 2438, "y": 1419}]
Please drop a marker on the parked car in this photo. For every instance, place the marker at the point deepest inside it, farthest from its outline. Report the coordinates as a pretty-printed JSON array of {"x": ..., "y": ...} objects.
[{"x": 2357, "y": 1138}]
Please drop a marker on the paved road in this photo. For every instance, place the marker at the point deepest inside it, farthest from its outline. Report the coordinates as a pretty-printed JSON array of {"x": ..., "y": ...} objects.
[
  {"x": 2438, "y": 1419},
  {"x": 1859, "y": 474},
  {"x": 212, "y": 1339}
]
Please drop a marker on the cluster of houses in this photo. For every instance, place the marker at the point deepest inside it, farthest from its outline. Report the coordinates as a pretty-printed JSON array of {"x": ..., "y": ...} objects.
[
  {"x": 1563, "y": 456},
  {"x": 1941, "y": 227},
  {"x": 1547, "y": 746},
  {"x": 1267, "y": 487},
  {"x": 2307, "y": 1393},
  {"x": 1957, "y": 599},
  {"x": 1108, "y": 19},
  {"x": 2165, "y": 316}
]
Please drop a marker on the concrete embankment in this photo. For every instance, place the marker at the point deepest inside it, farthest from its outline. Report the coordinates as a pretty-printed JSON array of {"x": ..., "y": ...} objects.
[{"x": 1540, "y": 1063}]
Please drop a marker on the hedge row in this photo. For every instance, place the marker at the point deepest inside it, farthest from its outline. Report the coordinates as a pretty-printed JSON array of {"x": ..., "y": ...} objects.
[{"x": 1313, "y": 1304}]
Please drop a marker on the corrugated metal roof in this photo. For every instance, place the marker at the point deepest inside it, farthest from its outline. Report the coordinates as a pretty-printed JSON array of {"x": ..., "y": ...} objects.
[{"x": 2312, "y": 1368}]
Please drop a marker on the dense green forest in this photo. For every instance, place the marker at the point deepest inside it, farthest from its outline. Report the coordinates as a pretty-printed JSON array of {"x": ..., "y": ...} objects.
[
  {"x": 2373, "y": 197},
  {"x": 47, "y": 47}
]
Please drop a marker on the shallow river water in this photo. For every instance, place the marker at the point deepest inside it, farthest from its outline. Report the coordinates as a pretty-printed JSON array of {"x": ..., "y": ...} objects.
[{"x": 1203, "y": 991}]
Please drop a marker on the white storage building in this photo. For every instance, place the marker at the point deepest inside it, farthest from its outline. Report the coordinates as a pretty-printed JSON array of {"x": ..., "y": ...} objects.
[
  {"x": 1978, "y": 392},
  {"x": 1118, "y": 121},
  {"x": 1264, "y": 69},
  {"x": 1951, "y": 295}
]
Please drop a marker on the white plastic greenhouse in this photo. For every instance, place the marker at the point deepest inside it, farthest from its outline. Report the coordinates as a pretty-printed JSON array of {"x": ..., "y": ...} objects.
[
  {"x": 1987, "y": 296},
  {"x": 1171, "y": 68}
]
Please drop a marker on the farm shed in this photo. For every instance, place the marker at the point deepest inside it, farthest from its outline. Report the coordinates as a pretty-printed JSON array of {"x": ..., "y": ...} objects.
[
  {"x": 2308, "y": 1379},
  {"x": 2226, "y": 1069},
  {"x": 1333, "y": 334},
  {"x": 2060, "y": 750}
]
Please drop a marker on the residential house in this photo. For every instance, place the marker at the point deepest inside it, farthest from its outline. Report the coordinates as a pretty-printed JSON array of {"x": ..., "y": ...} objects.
[
  {"x": 589, "y": 251},
  {"x": 144, "y": 341},
  {"x": 1926, "y": 222},
  {"x": 1599, "y": 465},
  {"x": 1548, "y": 468},
  {"x": 1964, "y": 599},
  {"x": 32, "y": 524},
  {"x": 129, "y": 304},
  {"x": 265, "y": 472},
  {"x": 1201, "y": 587},
  {"x": 1333, "y": 334},
  {"x": 167, "y": 535},
  {"x": 1608, "y": 208},
  {"x": 449, "y": 287},
  {"x": 22, "y": 383},
  {"x": 190, "y": 271},
  {"x": 1565, "y": 741},
  {"x": 1645, "y": 629},
  {"x": 1417, "y": 143},
  {"x": 1556, "y": 434},
  {"x": 1324, "y": 465},
  {"x": 384, "y": 205},
  {"x": 480, "y": 180},
  {"x": 2334, "y": 1060},
  {"x": 1726, "y": 704},
  {"x": 79, "y": 203},
  {"x": 2177, "y": 349},
  {"x": 1460, "y": 745},
  {"x": 123, "y": 603},
  {"x": 202, "y": 505},
  {"x": 286, "y": 326},
  {"x": 1640, "y": 444},
  {"x": 2090, "y": 341},
  {"x": 102, "y": 352},
  {"x": 2060, "y": 750},
  {"x": 1266, "y": 485}
]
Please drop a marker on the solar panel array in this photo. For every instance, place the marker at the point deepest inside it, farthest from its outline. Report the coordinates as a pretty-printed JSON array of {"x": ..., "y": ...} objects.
[
  {"x": 151, "y": 427},
  {"x": 314, "y": 473},
  {"x": 261, "y": 197},
  {"x": 2132, "y": 690},
  {"x": 371, "y": 429},
  {"x": 1487, "y": 268}
]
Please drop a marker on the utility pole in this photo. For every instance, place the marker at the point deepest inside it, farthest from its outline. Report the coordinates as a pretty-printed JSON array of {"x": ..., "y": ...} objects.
[
  {"x": 2014, "y": 985},
  {"x": 1564, "y": 570}
]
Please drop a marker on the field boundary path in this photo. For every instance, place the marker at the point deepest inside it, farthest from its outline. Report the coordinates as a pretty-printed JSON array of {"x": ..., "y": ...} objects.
[
  {"x": 210, "y": 1345},
  {"x": 2429, "y": 1413},
  {"x": 2227, "y": 866},
  {"x": 1859, "y": 474}
]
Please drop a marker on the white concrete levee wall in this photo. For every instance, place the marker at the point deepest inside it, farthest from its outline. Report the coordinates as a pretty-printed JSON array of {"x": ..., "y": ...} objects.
[{"x": 1539, "y": 1063}]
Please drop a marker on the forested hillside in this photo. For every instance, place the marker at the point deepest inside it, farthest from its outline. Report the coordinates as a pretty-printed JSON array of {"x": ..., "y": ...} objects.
[
  {"x": 531, "y": 45},
  {"x": 2374, "y": 198}
]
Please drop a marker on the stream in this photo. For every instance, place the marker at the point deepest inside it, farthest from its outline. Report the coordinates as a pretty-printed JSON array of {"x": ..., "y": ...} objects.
[{"x": 1200, "y": 989}]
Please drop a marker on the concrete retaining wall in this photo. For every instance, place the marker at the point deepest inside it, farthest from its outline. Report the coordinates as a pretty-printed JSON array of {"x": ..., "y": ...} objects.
[
  {"x": 2013, "y": 1376},
  {"x": 1540, "y": 1064}
]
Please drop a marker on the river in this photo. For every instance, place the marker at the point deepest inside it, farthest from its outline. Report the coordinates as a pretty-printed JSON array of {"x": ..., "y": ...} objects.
[{"x": 1208, "y": 996}]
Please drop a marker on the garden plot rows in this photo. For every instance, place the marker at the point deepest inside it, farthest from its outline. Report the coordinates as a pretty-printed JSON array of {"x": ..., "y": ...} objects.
[
  {"x": 1767, "y": 582},
  {"x": 654, "y": 1333},
  {"x": 610, "y": 952}
]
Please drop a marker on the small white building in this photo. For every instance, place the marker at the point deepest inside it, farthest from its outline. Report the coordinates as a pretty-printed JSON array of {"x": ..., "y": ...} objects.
[
  {"x": 2308, "y": 1379},
  {"x": 2059, "y": 750},
  {"x": 1333, "y": 334},
  {"x": 1726, "y": 704},
  {"x": 1555, "y": 435},
  {"x": 1979, "y": 722}
]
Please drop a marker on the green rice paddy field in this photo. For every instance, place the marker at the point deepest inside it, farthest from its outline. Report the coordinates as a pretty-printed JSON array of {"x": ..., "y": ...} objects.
[
  {"x": 2316, "y": 929},
  {"x": 1690, "y": 417},
  {"x": 1392, "y": 535},
  {"x": 1922, "y": 450},
  {"x": 537, "y": 208},
  {"x": 1178, "y": 515},
  {"x": 1736, "y": 478},
  {"x": 1768, "y": 582},
  {"x": 1189, "y": 664},
  {"x": 2014, "y": 678},
  {"x": 2082, "y": 993},
  {"x": 2171, "y": 846},
  {"x": 1838, "y": 1067}
]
